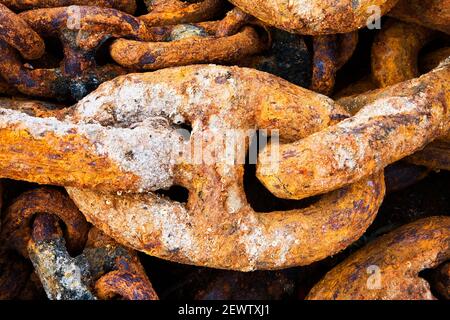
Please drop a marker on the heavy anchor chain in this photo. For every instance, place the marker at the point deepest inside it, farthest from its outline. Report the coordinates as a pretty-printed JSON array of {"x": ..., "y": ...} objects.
[
  {"x": 103, "y": 269},
  {"x": 237, "y": 237},
  {"x": 226, "y": 40},
  {"x": 81, "y": 29}
]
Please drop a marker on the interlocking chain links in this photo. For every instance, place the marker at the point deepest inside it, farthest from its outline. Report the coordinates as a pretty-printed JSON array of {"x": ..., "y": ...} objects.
[
  {"x": 433, "y": 14},
  {"x": 32, "y": 227},
  {"x": 81, "y": 29},
  {"x": 238, "y": 238},
  {"x": 171, "y": 12},
  {"x": 128, "y": 6},
  {"x": 388, "y": 268},
  {"x": 63, "y": 277},
  {"x": 315, "y": 17},
  {"x": 17, "y": 221},
  {"x": 102, "y": 141},
  {"x": 395, "y": 122},
  {"x": 395, "y": 52},
  {"x": 15, "y": 32},
  {"x": 214, "y": 42}
]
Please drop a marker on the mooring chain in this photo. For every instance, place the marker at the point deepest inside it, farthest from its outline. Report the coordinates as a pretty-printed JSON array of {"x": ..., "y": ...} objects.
[{"x": 71, "y": 262}]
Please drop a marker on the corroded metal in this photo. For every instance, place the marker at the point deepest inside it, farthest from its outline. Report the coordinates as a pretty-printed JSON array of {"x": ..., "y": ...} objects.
[
  {"x": 392, "y": 124},
  {"x": 388, "y": 268}
]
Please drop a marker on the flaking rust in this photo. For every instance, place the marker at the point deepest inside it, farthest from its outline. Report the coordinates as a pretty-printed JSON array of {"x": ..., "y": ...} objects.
[
  {"x": 395, "y": 52},
  {"x": 128, "y": 6},
  {"x": 207, "y": 97},
  {"x": 388, "y": 268},
  {"x": 394, "y": 123},
  {"x": 315, "y": 17},
  {"x": 78, "y": 73},
  {"x": 91, "y": 145}
]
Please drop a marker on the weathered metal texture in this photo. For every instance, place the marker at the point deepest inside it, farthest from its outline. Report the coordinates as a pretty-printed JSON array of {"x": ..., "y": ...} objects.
[
  {"x": 186, "y": 51},
  {"x": 128, "y": 6},
  {"x": 436, "y": 156},
  {"x": 287, "y": 58},
  {"x": 433, "y": 14},
  {"x": 81, "y": 29},
  {"x": 116, "y": 270},
  {"x": 362, "y": 85},
  {"x": 324, "y": 65},
  {"x": 17, "y": 228},
  {"x": 217, "y": 227},
  {"x": 394, "y": 262},
  {"x": 392, "y": 124},
  {"x": 15, "y": 32},
  {"x": 102, "y": 141},
  {"x": 395, "y": 52},
  {"x": 315, "y": 17},
  {"x": 171, "y": 12},
  {"x": 63, "y": 277},
  {"x": 331, "y": 52}
]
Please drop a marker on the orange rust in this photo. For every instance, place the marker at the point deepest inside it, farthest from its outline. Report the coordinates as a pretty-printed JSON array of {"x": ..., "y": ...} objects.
[
  {"x": 363, "y": 85},
  {"x": 433, "y": 14},
  {"x": 393, "y": 123},
  {"x": 210, "y": 49},
  {"x": 116, "y": 270},
  {"x": 236, "y": 236},
  {"x": 123, "y": 284},
  {"x": 315, "y": 17},
  {"x": 388, "y": 268},
  {"x": 35, "y": 149},
  {"x": 128, "y": 6},
  {"x": 170, "y": 12},
  {"x": 324, "y": 65},
  {"x": 15, "y": 32},
  {"x": 78, "y": 73},
  {"x": 16, "y": 229},
  {"x": 395, "y": 52},
  {"x": 331, "y": 52}
]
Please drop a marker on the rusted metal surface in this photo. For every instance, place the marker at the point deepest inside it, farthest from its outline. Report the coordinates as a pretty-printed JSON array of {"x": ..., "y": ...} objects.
[
  {"x": 392, "y": 124},
  {"x": 186, "y": 51},
  {"x": 395, "y": 52},
  {"x": 259, "y": 100},
  {"x": 398, "y": 257},
  {"x": 170, "y": 12},
  {"x": 433, "y": 14},
  {"x": 18, "y": 217},
  {"x": 436, "y": 156},
  {"x": 81, "y": 29},
  {"x": 16, "y": 33},
  {"x": 317, "y": 17},
  {"x": 128, "y": 6},
  {"x": 401, "y": 175},
  {"x": 331, "y": 52}
]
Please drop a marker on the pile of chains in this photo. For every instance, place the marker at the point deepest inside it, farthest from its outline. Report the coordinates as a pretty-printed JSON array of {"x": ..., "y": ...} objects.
[{"x": 133, "y": 128}]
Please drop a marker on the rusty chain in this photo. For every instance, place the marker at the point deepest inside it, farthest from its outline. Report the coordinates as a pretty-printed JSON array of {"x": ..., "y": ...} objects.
[{"x": 113, "y": 136}]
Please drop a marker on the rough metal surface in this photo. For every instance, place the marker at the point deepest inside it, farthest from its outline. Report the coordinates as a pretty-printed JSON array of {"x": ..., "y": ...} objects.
[
  {"x": 393, "y": 124},
  {"x": 433, "y": 14},
  {"x": 103, "y": 142},
  {"x": 314, "y": 17},
  {"x": 398, "y": 256}
]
